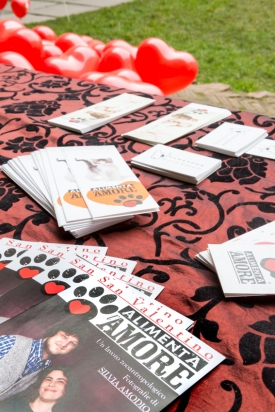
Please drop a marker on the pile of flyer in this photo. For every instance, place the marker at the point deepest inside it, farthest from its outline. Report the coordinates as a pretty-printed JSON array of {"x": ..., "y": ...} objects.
[
  {"x": 245, "y": 265},
  {"x": 85, "y": 188},
  {"x": 73, "y": 315}
]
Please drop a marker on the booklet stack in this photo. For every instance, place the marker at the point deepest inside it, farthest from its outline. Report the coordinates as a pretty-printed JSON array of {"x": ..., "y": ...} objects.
[
  {"x": 102, "y": 344},
  {"x": 232, "y": 139},
  {"x": 85, "y": 188},
  {"x": 245, "y": 269},
  {"x": 262, "y": 235},
  {"x": 177, "y": 164},
  {"x": 99, "y": 114},
  {"x": 177, "y": 124},
  {"x": 266, "y": 148}
]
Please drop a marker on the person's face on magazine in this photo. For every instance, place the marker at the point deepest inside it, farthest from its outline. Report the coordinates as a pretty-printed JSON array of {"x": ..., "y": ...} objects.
[
  {"x": 60, "y": 344},
  {"x": 53, "y": 386}
]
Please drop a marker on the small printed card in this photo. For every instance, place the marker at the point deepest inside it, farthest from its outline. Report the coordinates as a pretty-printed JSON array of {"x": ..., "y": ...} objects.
[
  {"x": 176, "y": 163},
  {"x": 232, "y": 139},
  {"x": 266, "y": 148},
  {"x": 99, "y": 114},
  {"x": 177, "y": 124},
  {"x": 245, "y": 270}
]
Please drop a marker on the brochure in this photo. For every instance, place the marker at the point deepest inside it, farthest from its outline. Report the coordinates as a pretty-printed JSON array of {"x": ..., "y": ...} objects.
[
  {"x": 245, "y": 270},
  {"x": 232, "y": 139},
  {"x": 177, "y": 124},
  {"x": 266, "y": 148},
  {"x": 114, "y": 350},
  {"x": 175, "y": 163},
  {"x": 108, "y": 186},
  {"x": 99, "y": 114}
]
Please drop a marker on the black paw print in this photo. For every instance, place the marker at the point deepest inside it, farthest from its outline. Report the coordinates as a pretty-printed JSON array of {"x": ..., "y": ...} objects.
[
  {"x": 88, "y": 308},
  {"x": 129, "y": 200},
  {"x": 56, "y": 286},
  {"x": 28, "y": 271}
]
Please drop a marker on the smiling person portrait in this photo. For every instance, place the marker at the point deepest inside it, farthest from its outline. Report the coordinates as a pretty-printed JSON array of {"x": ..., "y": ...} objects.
[
  {"x": 52, "y": 392},
  {"x": 22, "y": 358}
]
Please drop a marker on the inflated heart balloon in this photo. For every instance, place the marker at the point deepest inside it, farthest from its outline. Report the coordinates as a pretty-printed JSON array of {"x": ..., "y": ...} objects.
[
  {"x": 122, "y": 43},
  {"x": 49, "y": 50},
  {"x": 15, "y": 59},
  {"x": 99, "y": 49},
  {"x": 116, "y": 58},
  {"x": 23, "y": 41},
  {"x": 76, "y": 61},
  {"x": 86, "y": 38},
  {"x": 68, "y": 40},
  {"x": 93, "y": 42},
  {"x": 3, "y": 4},
  {"x": 161, "y": 65},
  {"x": 20, "y": 7},
  {"x": 45, "y": 32},
  {"x": 7, "y": 26},
  {"x": 125, "y": 73},
  {"x": 121, "y": 82}
]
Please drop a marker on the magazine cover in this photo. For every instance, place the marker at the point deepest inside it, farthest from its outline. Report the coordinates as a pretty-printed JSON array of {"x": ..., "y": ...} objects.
[{"x": 107, "y": 349}]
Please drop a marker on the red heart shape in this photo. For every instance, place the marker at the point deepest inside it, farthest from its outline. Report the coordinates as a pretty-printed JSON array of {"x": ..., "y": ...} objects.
[
  {"x": 268, "y": 264},
  {"x": 15, "y": 59},
  {"x": 76, "y": 61},
  {"x": 52, "y": 288},
  {"x": 116, "y": 58},
  {"x": 78, "y": 308},
  {"x": 27, "y": 273},
  {"x": 45, "y": 32},
  {"x": 20, "y": 7},
  {"x": 4, "y": 264},
  {"x": 68, "y": 40},
  {"x": 166, "y": 68},
  {"x": 121, "y": 82},
  {"x": 123, "y": 44}
]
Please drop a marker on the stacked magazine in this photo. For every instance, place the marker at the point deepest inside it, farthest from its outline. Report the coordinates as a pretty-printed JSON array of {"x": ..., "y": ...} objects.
[
  {"x": 85, "y": 188},
  {"x": 244, "y": 265},
  {"x": 175, "y": 163},
  {"x": 99, "y": 114},
  {"x": 244, "y": 268},
  {"x": 80, "y": 338},
  {"x": 177, "y": 124},
  {"x": 232, "y": 139}
]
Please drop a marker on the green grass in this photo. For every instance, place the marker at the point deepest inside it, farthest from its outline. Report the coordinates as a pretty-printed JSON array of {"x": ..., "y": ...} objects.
[{"x": 232, "y": 40}]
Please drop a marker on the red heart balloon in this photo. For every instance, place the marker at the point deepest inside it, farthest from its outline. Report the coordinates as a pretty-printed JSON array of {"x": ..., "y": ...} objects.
[
  {"x": 45, "y": 32},
  {"x": 161, "y": 65},
  {"x": 20, "y": 7},
  {"x": 68, "y": 40},
  {"x": 23, "y": 41},
  {"x": 116, "y": 58},
  {"x": 76, "y": 307},
  {"x": 27, "y": 273},
  {"x": 3, "y": 4},
  {"x": 122, "y": 43},
  {"x": 121, "y": 82},
  {"x": 15, "y": 59},
  {"x": 52, "y": 288},
  {"x": 76, "y": 61},
  {"x": 125, "y": 73},
  {"x": 7, "y": 26}
]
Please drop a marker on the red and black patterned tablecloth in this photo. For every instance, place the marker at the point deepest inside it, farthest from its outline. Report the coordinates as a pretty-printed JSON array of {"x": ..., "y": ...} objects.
[{"x": 238, "y": 198}]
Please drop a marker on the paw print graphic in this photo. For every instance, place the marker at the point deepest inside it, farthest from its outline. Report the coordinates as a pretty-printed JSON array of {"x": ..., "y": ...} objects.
[
  {"x": 7, "y": 255},
  {"x": 130, "y": 200},
  {"x": 57, "y": 283},
  {"x": 103, "y": 303},
  {"x": 28, "y": 270}
]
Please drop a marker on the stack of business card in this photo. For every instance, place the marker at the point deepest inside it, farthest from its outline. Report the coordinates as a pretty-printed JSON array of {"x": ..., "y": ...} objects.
[
  {"x": 178, "y": 164},
  {"x": 232, "y": 139},
  {"x": 245, "y": 269},
  {"x": 99, "y": 114},
  {"x": 85, "y": 188},
  {"x": 177, "y": 124},
  {"x": 262, "y": 235}
]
